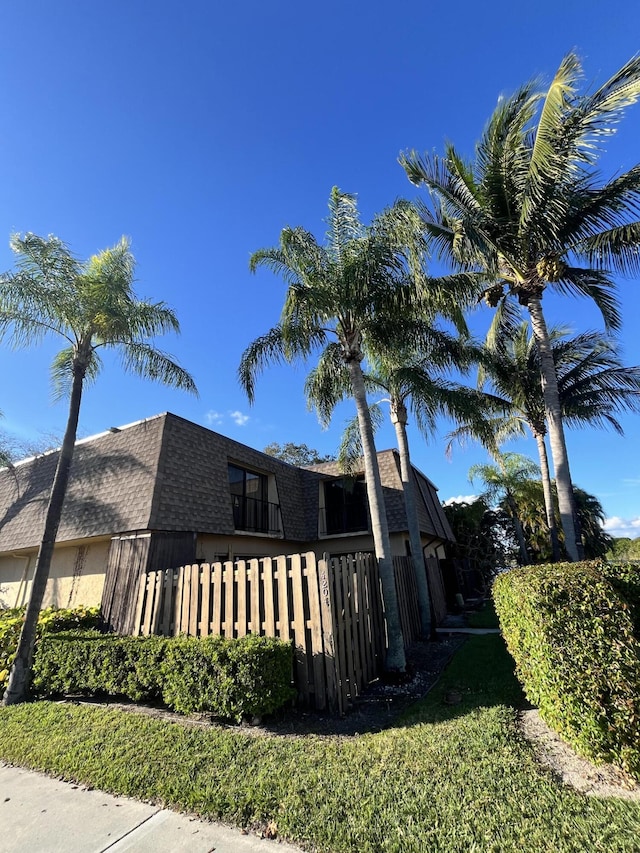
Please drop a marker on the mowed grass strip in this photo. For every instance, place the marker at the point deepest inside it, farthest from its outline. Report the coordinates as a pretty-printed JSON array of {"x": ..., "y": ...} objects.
[{"x": 446, "y": 778}]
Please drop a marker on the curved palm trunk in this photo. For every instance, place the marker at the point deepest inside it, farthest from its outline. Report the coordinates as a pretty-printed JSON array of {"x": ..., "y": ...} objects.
[
  {"x": 399, "y": 420},
  {"x": 19, "y": 677},
  {"x": 548, "y": 497},
  {"x": 395, "y": 660},
  {"x": 556, "y": 431}
]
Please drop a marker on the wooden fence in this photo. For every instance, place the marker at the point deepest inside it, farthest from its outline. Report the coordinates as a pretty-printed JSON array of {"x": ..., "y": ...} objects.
[{"x": 331, "y": 609}]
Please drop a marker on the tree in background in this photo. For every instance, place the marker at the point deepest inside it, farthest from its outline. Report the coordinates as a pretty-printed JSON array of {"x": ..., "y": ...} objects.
[
  {"x": 624, "y": 548},
  {"x": 532, "y": 511},
  {"x": 504, "y": 483},
  {"x": 92, "y": 306},
  {"x": 593, "y": 386},
  {"x": 484, "y": 537},
  {"x": 531, "y": 214},
  {"x": 296, "y": 454}
]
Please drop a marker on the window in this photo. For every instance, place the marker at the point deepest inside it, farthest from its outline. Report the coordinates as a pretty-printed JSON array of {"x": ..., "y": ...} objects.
[
  {"x": 345, "y": 506},
  {"x": 249, "y": 499}
]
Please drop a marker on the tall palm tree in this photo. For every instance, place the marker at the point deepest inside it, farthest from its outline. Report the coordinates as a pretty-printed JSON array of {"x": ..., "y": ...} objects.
[
  {"x": 531, "y": 214},
  {"x": 593, "y": 387},
  {"x": 413, "y": 378},
  {"x": 341, "y": 296},
  {"x": 92, "y": 306},
  {"x": 505, "y": 481}
]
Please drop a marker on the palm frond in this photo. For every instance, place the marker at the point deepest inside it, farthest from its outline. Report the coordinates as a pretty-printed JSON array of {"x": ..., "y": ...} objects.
[
  {"x": 148, "y": 362},
  {"x": 328, "y": 383},
  {"x": 350, "y": 450}
]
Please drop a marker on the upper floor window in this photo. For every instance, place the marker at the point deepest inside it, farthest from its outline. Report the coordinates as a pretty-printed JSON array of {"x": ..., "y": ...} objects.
[
  {"x": 252, "y": 510},
  {"x": 345, "y": 506}
]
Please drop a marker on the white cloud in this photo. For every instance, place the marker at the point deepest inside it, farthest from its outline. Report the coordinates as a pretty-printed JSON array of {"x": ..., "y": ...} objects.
[
  {"x": 461, "y": 499},
  {"x": 239, "y": 418},
  {"x": 214, "y": 417},
  {"x": 616, "y": 526}
]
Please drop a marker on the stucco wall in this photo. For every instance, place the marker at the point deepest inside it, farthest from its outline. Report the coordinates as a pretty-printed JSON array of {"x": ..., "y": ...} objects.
[{"x": 76, "y": 577}]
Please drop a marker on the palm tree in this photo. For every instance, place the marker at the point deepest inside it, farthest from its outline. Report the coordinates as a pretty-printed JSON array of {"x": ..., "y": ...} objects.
[
  {"x": 530, "y": 213},
  {"x": 341, "y": 297},
  {"x": 505, "y": 481},
  {"x": 533, "y": 517},
  {"x": 593, "y": 386},
  {"x": 413, "y": 378},
  {"x": 92, "y": 306}
]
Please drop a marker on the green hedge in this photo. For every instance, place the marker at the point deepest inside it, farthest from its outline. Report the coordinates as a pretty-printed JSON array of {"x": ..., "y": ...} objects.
[
  {"x": 50, "y": 620},
  {"x": 250, "y": 676},
  {"x": 572, "y": 631}
]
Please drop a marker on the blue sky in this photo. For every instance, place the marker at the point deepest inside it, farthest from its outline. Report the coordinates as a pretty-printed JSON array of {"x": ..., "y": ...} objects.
[{"x": 201, "y": 129}]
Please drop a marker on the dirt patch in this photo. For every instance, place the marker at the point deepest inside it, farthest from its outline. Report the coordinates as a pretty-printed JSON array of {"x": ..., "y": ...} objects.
[{"x": 604, "y": 780}]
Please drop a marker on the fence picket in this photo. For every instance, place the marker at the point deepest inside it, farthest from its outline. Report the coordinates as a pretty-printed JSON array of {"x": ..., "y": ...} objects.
[
  {"x": 241, "y": 597},
  {"x": 205, "y": 617},
  {"x": 299, "y": 633},
  {"x": 228, "y": 581},
  {"x": 254, "y": 596},
  {"x": 269, "y": 598},
  {"x": 315, "y": 627},
  {"x": 216, "y": 615}
]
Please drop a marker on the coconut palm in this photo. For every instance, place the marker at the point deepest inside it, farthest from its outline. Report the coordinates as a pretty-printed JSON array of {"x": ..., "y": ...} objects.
[
  {"x": 532, "y": 513},
  {"x": 341, "y": 296},
  {"x": 593, "y": 387},
  {"x": 504, "y": 481},
  {"x": 532, "y": 215},
  {"x": 412, "y": 378},
  {"x": 92, "y": 306}
]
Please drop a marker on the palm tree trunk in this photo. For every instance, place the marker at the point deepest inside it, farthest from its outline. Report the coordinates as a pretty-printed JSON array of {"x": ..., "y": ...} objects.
[
  {"x": 517, "y": 524},
  {"x": 395, "y": 658},
  {"x": 19, "y": 677},
  {"x": 399, "y": 420},
  {"x": 548, "y": 497},
  {"x": 556, "y": 431}
]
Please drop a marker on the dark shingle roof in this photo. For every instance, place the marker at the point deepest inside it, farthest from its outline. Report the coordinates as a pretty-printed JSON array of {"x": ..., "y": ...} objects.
[
  {"x": 167, "y": 473},
  {"x": 110, "y": 488}
]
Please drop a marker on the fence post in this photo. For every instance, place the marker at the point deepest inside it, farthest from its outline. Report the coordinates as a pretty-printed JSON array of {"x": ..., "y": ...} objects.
[{"x": 328, "y": 621}]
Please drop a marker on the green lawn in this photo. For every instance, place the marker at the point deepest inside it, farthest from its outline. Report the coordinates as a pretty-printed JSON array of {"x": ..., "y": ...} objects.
[
  {"x": 486, "y": 617},
  {"x": 447, "y": 778}
]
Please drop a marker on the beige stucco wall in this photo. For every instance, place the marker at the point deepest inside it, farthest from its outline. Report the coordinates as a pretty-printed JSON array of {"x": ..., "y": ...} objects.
[
  {"x": 211, "y": 548},
  {"x": 76, "y": 576}
]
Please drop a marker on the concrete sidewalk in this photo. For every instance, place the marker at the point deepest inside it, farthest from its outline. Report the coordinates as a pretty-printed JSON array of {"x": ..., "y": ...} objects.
[{"x": 43, "y": 815}]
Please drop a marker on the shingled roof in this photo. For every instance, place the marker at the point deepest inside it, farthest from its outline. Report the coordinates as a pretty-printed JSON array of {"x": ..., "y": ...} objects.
[{"x": 167, "y": 473}]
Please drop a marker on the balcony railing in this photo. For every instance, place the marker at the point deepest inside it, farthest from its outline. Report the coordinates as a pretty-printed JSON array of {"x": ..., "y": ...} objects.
[
  {"x": 349, "y": 519},
  {"x": 256, "y": 516}
]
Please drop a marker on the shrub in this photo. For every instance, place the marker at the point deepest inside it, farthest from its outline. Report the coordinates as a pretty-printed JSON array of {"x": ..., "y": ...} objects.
[
  {"x": 227, "y": 678},
  {"x": 570, "y": 629},
  {"x": 88, "y": 662},
  {"x": 231, "y": 678},
  {"x": 51, "y": 620}
]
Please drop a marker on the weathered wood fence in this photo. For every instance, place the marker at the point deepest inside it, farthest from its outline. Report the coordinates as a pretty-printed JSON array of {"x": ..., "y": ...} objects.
[{"x": 331, "y": 609}]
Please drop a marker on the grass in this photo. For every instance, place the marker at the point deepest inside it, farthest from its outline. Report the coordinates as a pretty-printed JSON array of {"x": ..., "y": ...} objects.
[
  {"x": 486, "y": 617},
  {"x": 446, "y": 778}
]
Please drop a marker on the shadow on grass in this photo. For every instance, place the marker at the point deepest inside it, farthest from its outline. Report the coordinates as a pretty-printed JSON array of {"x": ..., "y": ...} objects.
[{"x": 480, "y": 675}]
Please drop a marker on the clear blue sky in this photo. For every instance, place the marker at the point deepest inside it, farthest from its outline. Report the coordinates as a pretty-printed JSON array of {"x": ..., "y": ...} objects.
[{"x": 200, "y": 129}]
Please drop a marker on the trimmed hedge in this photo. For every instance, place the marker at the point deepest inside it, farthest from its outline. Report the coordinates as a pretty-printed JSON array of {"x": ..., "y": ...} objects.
[
  {"x": 572, "y": 629},
  {"x": 50, "y": 620},
  {"x": 250, "y": 676}
]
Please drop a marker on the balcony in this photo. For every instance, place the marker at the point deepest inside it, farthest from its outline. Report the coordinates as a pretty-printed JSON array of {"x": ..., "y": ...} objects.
[
  {"x": 345, "y": 519},
  {"x": 256, "y": 516}
]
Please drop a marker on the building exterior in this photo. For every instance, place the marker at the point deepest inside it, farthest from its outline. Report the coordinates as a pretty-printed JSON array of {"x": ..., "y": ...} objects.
[{"x": 166, "y": 492}]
